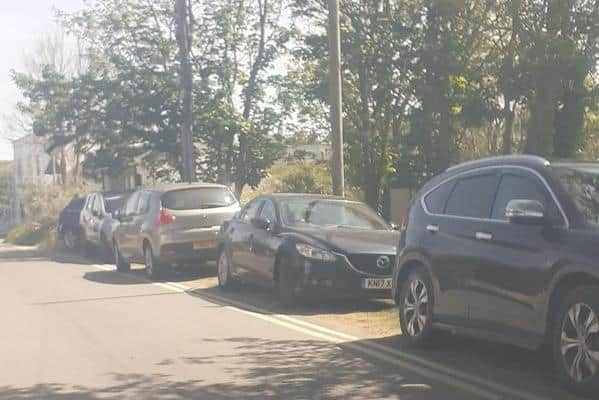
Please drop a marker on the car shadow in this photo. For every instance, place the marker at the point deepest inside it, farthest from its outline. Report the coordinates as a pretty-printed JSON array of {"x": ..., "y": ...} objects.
[{"x": 248, "y": 296}]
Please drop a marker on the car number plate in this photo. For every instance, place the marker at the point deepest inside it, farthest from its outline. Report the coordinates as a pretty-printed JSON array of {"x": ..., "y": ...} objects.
[
  {"x": 377, "y": 283},
  {"x": 205, "y": 244}
]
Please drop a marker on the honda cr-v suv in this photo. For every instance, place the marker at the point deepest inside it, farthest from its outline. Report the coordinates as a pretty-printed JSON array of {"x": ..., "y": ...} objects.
[{"x": 507, "y": 248}]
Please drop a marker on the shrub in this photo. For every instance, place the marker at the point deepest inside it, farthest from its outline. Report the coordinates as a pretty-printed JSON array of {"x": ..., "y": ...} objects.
[
  {"x": 42, "y": 206},
  {"x": 298, "y": 178}
]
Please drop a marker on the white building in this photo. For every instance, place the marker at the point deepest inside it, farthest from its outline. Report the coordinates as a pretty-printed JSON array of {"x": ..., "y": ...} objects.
[{"x": 32, "y": 165}]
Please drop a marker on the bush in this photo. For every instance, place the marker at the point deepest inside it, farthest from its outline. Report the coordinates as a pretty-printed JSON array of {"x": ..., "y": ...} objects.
[
  {"x": 304, "y": 178},
  {"x": 42, "y": 206},
  {"x": 27, "y": 234},
  {"x": 298, "y": 178}
]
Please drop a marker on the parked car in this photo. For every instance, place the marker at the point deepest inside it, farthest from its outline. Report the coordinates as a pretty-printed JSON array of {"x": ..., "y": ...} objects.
[
  {"x": 171, "y": 225},
  {"x": 69, "y": 228},
  {"x": 302, "y": 243},
  {"x": 506, "y": 248},
  {"x": 97, "y": 221}
]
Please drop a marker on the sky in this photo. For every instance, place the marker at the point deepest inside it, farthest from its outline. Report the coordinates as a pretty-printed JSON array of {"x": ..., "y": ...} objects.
[{"x": 22, "y": 22}]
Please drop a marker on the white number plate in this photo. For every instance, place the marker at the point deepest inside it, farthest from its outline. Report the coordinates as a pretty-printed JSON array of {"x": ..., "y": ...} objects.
[{"x": 377, "y": 283}]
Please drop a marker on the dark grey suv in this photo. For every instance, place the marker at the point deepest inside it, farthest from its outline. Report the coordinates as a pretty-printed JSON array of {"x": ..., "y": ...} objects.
[{"x": 507, "y": 248}]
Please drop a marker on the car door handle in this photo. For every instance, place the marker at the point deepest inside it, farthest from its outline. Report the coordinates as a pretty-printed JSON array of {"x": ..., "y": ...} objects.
[
  {"x": 483, "y": 236},
  {"x": 432, "y": 228}
]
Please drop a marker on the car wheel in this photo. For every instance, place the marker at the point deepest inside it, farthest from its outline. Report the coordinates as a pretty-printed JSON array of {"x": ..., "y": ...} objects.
[
  {"x": 107, "y": 251},
  {"x": 70, "y": 240},
  {"x": 225, "y": 280},
  {"x": 154, "y": 268},
  {"x": 121, "y": 264},
  {"x": 286, "y": 283},
  {"x": 416, "y": 308},
  {"x": 575, "y": 340}
]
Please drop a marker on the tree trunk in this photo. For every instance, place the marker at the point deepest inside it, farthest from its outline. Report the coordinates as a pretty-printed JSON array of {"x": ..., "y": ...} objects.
[
  {"x": 508, "y": 115},
  {"x": 248, "y": 100}
]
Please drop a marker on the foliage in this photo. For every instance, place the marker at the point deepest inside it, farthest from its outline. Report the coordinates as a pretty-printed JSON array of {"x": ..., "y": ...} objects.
[
  {"x": 426, "y": 83},
  {"x": 5, "y": 187},
  {"x": 41, "y": 208}
]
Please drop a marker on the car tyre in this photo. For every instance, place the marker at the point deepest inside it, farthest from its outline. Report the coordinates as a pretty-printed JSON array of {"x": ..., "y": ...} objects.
[
  {"x": 71, "y": 240},
  {"x": 107, "y": 250},
  {"x": 416, "y": 304},
  {"x": 121, "y": 264},
  {"x": 154, "y": 268},
  {"x": 575, "y": 340},
  {"x": 225, "y": 279},
  {"x": 286, "y": 282}
]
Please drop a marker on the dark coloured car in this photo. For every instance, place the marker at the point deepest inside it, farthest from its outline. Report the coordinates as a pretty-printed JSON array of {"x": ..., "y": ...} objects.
[
  {"x": 171, "y": 225},
  {"x": 308, "y": 243},
  {"x": 69, "y": 227},
  {"x": 507, "y": 248}
]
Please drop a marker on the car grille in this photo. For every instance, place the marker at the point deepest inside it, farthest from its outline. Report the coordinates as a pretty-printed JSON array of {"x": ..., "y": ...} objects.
[{"x": 367, "y": 263}]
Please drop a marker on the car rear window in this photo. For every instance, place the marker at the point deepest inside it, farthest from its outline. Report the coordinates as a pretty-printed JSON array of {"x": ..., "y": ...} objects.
[
  {"x": 198, "y": 198},
  {"x": 472, "y": 196},
  {"x": 436, "y": 199},
  {"x": 114, "y": 202}
]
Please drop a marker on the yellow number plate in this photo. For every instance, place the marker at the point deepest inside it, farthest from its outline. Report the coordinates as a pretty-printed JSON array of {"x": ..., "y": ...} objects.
[{"x": 206, "y": 244}]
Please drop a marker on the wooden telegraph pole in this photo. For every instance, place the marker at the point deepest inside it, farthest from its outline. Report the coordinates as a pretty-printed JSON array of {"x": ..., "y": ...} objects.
[
  {"x": 335, "y": 99},
  {"x": 183, "y": 39}
]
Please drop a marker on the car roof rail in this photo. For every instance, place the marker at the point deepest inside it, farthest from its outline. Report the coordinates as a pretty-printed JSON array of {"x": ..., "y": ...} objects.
[{"x": 525, "y": 158}]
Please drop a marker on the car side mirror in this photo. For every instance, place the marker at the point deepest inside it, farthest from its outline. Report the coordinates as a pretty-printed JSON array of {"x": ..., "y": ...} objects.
[
  {"x": 394, "y": 226},
  {"x": 525, "y": 211},
  {"x": 261, "y": 223}
]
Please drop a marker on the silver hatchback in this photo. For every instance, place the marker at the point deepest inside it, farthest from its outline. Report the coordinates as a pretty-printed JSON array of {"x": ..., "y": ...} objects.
[{"x": 171, "y": 225}]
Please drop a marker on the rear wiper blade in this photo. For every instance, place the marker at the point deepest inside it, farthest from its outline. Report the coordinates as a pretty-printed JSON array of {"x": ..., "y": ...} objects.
[{"x": 213, "y": 205}]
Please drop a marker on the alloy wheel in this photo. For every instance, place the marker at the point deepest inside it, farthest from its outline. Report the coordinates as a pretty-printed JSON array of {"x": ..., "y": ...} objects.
[
  {"x": 223, "y": 269},
  {"x": 69, "y": 240},
  {"x": 415, "y": 307},
  {"x": 149, "y": 262},
  {"x": 579, "y": 344}
]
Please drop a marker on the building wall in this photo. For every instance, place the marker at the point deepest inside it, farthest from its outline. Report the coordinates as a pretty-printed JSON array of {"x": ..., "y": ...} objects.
[{"x": 30, "y": 161}]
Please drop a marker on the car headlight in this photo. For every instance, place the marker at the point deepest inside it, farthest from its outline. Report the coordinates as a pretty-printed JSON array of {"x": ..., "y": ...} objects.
[{"x": 314, "y": 253}]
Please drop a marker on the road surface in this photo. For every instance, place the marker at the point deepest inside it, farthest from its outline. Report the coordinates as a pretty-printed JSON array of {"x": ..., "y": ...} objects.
[{"x": 75, "y": 329}]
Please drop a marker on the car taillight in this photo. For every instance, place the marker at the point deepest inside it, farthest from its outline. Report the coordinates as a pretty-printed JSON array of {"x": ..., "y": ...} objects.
[
  {"x": 404, "y": 221},
  {"x": 165, "y": 218}
]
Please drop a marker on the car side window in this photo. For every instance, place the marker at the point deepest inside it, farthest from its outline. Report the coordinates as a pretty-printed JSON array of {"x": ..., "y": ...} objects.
[
  {"x": 144, "y": 203},
  {"x": 251, "y": 210},
  {"x": 268, "y": 212},
  {"x": 131, "y": 206},
  {"x": 90, "y": 202},
  {"x": 436, "y": 199},
  {"x": 517, "y": 187},
  {"x": 96, "y": 207},
  {"x": 473, "y": 196}
]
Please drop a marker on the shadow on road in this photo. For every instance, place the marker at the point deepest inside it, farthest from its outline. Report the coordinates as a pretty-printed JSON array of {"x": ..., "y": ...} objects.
[
  {"x": 250, "y": 368},
  {"x": 256, "y": 369}
]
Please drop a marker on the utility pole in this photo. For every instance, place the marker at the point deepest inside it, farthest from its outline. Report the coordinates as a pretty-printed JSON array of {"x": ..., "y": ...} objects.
[
  {"x": 183, "y": 34},
  {"x": 336, "y": 113}
]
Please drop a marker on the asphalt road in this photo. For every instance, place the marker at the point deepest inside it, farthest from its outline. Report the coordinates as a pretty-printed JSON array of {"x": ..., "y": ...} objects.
[{"x": 74, "y": 329}]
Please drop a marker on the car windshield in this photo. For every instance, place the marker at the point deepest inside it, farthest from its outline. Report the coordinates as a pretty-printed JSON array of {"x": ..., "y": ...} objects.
[
  {"x": 114, "y": 202},
  {"x": 582, "y": 183},
  {"x": 330, "y": 213},
  {"x": 198, "y": 198}
]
